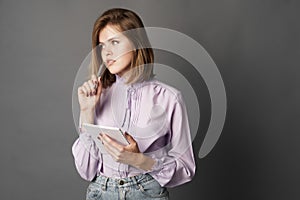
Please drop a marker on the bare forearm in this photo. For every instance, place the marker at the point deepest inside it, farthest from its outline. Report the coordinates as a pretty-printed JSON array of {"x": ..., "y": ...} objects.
[
  {"x": 87, "y": 116},
  {"x": 144, "y": 162}
]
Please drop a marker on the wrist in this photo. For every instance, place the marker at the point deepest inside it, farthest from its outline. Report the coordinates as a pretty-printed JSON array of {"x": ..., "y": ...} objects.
[
  {"x": 144, "y": 162},
  {"x": 87, "y": 110},
  {"x": 87, "y": 116}
]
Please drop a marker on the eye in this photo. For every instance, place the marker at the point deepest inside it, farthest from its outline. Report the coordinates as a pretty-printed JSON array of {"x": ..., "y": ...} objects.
[
  {"x": 114, "y": 42},
  {"x": 102, "y": 46}
]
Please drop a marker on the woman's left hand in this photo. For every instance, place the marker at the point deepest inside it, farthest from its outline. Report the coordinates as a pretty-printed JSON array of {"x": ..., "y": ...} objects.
[{"x": 129, "y": 154}]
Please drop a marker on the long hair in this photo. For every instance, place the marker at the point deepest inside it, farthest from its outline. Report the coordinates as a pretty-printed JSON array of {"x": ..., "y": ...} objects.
[{"x": 143, "y": 57}]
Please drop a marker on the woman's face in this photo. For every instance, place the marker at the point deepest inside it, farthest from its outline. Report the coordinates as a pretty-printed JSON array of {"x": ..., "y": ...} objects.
[{"x": 116, "y": 50}]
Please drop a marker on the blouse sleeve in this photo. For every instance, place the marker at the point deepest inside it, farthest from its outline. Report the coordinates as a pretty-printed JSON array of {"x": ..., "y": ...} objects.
[
  {"x": 177, "y": 166},
  {"x": 86, "y": 156}
]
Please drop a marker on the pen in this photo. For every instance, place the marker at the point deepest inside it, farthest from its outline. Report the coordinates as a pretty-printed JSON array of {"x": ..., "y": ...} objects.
[
  {"x": 99, "y": 70},
  {"x": 98, "y": 75}
]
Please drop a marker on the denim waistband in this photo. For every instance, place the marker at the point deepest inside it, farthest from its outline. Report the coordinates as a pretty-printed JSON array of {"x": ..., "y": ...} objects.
[{"x": 132, "y": 181}]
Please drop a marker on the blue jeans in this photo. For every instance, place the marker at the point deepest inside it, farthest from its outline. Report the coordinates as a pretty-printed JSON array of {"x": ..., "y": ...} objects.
[{"x": 138, "y": 187}]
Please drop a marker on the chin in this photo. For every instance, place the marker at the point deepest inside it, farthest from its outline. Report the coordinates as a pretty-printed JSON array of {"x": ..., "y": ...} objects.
[{"x": 113, "y": 71}]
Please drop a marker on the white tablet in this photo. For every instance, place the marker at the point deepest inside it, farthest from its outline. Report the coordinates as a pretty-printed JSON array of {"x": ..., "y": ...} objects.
[{"x": 113, "y": 132}]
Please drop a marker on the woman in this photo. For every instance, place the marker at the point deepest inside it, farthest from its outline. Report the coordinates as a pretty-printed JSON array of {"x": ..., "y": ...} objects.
[{"x": 152, "y": 114}]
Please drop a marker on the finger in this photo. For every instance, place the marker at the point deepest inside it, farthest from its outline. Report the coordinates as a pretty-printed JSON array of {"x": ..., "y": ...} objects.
[
  {"x": 99, "y": 86},
  {"x": 94, "y": 81},
  {"x": 87, "y": 88},
  {"x": 109, "y": 148},
  {"x": 92, "y": 86},
  {"x": 83, "y": 91},
  {"x": 93, "y": 77},
  {"x": 112, "y": 142},
  {"x": 129, "y": 138},
  {"x": 80, "y": 90}
]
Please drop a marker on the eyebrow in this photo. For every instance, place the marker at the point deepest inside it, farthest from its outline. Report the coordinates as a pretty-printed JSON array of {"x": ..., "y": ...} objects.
[{"x": 110, "y": 39}]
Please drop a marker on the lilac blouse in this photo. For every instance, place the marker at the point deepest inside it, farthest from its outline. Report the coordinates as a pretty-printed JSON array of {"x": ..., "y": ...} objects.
[{"x": 154, "y": 114}]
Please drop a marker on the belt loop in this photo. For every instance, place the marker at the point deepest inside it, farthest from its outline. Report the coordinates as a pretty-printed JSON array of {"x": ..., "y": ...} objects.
[
  {"x": 104, "y": 185},
  {"x": 135, "y": 182}
]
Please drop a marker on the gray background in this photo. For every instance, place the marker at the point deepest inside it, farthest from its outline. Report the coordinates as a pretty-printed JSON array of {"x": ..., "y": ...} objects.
[{"x": 255, "y": 45}]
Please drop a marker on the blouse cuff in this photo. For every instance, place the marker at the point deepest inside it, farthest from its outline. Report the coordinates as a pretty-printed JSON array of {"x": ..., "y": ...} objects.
[
  {"x": 88, "y": 143},
  {"x": 158, "y": 165}
]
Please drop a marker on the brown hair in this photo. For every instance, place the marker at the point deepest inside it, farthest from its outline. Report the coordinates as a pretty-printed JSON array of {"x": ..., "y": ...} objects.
[{"x": 143, "y": 58}]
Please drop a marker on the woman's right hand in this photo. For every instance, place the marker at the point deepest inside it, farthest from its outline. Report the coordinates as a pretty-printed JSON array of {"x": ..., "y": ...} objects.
[{"x": 89, "y": 94}]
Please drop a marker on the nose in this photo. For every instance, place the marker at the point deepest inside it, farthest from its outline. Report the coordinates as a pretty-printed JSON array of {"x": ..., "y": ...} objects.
[
  {"x": 107, "y": 50},
  {"x": 106, "y": 53}
]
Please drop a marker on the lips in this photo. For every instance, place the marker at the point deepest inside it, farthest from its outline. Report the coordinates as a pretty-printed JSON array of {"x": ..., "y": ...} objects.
[{"x": 109, "y": 62}]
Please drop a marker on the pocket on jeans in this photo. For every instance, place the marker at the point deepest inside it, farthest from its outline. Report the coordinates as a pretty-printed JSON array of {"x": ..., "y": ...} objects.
[
  {"x": 93, "y": 191},
  {"x": 153, "y": 189}
]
